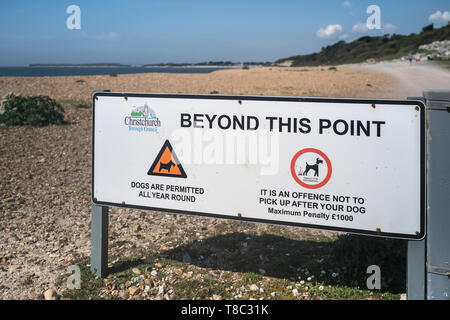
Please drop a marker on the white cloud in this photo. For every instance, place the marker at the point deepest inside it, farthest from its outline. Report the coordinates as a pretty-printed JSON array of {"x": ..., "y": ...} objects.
[
  {"x": 389, "y": 27},
  {"x": 360, "y": 28},
  {"x": 346, "y": 4},
  {"x": 113, "y": 35},
  {"x": 440, "y": 17},
  {"x": 330, "y": 31}
]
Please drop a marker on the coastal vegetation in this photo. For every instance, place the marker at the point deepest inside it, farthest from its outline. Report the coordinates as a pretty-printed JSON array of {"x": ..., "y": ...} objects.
[
  {"x": 384, "y": 47},
  {"x": 32, "y": 110}
]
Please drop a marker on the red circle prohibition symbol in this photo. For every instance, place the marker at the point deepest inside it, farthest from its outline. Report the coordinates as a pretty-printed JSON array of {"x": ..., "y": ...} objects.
[{"x": 320, "y": 153}]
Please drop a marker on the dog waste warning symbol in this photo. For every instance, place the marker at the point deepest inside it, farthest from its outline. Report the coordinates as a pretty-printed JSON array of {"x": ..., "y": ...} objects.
[
  {"x": 166, "y": 163},
  {"x": 311, "y": 168}
]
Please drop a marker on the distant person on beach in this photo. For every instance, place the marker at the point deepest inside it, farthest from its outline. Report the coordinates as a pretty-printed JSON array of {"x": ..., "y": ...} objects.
[
  {"x": 410, "y": 57},
  {"x": 417, "y": 58}
]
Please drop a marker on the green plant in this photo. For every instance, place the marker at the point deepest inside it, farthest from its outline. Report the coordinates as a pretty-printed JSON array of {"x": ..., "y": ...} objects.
[
  {"x": 429, "y": 27},
  {"x": 33, "y": 110},
  {"x": 113, "y": 74},
  {"x": 245, "y": 67},
  {"x": 332, "y": 68}
]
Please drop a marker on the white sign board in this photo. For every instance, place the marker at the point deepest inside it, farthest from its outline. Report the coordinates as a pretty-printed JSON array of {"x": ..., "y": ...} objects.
[{"x": 337, "y": 164}]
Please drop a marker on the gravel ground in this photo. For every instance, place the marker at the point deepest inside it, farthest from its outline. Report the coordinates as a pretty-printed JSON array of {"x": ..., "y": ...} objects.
[
  {"x": 347, "y": 81},
  {"x": 45, "y": 182}
]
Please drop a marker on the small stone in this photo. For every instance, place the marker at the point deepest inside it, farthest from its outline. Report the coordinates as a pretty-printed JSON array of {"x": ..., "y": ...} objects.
[
  {"x": 161, "y": 290},
  {"x": 216, "y": 297},
  {"x": 133, "y": 290},
  {"x": 273, "y": 294},
  {"x": 178, "y": 271},
  {"x": 295, "y": 292},
  {"x": 154, "y": 273},
  {"x": 50, "y": 294},
  {"x": 136, "y": 271},
  {"x": 254, "y": 287}
]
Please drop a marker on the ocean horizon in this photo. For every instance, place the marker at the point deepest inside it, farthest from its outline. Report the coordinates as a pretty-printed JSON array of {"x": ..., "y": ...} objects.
[{"x": 52, "y": 71}]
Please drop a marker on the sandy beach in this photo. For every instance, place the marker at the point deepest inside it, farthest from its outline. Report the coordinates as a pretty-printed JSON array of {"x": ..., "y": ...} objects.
[{"x": 346, "y": 81}]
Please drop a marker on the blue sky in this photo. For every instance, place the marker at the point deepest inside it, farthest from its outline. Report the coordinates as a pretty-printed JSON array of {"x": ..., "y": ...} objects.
[{"x": 139, "y": 32}]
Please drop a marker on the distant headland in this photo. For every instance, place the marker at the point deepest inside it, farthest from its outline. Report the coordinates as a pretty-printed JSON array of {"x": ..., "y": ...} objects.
[
  {"x": 225, "y": 64},
  {"x": 84, "y": 65}
]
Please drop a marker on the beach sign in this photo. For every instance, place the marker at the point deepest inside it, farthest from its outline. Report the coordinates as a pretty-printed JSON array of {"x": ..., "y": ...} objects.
[{"x": 351, "y": 165}]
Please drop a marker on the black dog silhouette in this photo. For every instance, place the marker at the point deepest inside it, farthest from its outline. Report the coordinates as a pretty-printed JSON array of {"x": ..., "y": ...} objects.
[
  {"x": 166, "y": 166},
  {"x": 314, "y": 167}
]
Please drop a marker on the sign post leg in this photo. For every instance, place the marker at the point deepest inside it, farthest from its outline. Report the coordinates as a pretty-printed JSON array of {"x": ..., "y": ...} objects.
[
  {"x": 438, "y": 190},
  {"x": 99, "y": 240},
  {"x": 415, "y": 270}
]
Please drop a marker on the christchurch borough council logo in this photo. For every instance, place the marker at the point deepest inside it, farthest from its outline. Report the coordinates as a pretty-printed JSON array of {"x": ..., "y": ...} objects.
[
  {"x": 311, "y": 168},
  {"x": 142, "y": 118}
]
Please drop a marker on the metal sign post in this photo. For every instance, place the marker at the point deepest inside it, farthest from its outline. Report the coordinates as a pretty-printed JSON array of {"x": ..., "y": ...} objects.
[
  {"x": 99, "y": 240},
  {"x": 428, "y": 266},
  {"x": 415, "y": 270},
  {"x": 438, "y": 193}
]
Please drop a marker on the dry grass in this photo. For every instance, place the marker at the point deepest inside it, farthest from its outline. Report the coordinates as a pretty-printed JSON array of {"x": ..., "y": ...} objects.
[{"x": 347, "y": 81}]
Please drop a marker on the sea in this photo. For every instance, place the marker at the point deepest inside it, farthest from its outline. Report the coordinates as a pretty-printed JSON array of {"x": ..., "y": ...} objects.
[{"x": 92, "y": 71}]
